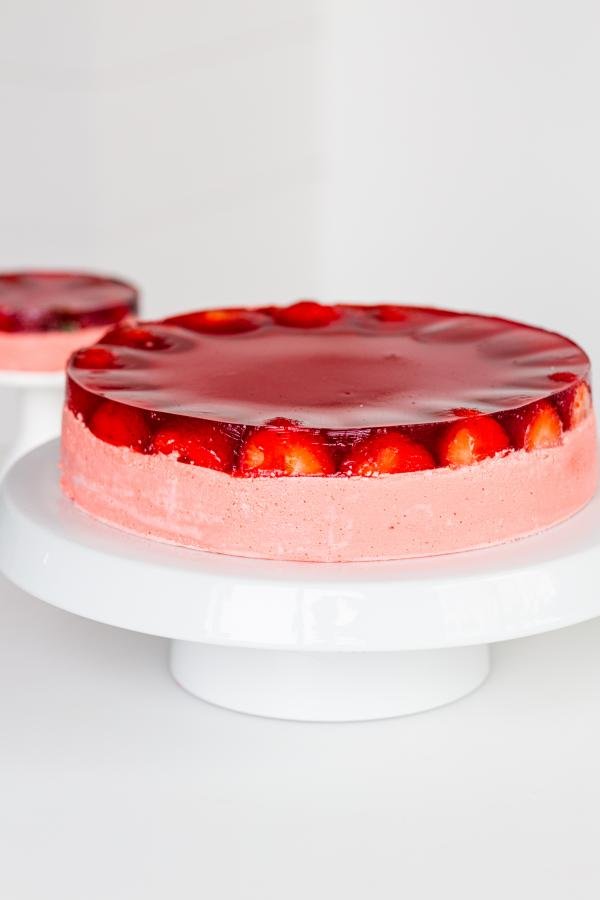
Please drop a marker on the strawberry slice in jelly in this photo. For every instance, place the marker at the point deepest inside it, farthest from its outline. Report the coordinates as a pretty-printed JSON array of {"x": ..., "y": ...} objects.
[
  {"x": 574, "y": 405},
  {"x": 386, "y": 454},
  {"x": 580, "y": 405},
  {"x": 285, "y": 451},
  {"x": 197, "y": 443},
  {"x": 537, "y": 427},
  {"x": 123, "y": 426},
  {"x": 471, "y": 441}
]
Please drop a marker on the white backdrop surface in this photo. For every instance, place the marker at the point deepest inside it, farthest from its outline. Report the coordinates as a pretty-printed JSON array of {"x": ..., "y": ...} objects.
[
  {"x": 435, "y": 152},
  {"x": 117, "y": 784}
]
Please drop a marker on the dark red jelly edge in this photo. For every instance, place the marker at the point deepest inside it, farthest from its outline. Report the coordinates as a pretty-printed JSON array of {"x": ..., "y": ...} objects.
[{"x": 284, "y": 447}]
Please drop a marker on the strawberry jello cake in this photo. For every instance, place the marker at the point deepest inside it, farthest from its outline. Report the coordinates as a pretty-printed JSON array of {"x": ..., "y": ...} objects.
[
  {"x": 330, "y": 433},
  {"x": 45, "y": 316}
]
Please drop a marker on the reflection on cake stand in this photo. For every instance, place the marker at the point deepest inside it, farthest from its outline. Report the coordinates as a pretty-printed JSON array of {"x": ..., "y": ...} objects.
[
  {"x": 314, "y": 642},
  {"x": 39, "y": 410}
]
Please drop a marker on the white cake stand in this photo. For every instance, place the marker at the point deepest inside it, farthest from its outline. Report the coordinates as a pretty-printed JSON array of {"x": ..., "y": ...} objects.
[
  {"x": 300, "y": 640},
  {"x": 40, "y": 401}
]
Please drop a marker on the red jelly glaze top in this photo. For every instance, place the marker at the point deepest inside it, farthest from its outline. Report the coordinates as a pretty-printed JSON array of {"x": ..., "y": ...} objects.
[
  {"x": 62, "y": 301},
  {"x": 343, "y": 372}
]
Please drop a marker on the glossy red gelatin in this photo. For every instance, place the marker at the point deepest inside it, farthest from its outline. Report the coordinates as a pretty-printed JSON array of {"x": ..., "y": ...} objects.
[
  {"x": 34, "y": 301},
  {"x": 312, "y": 389}
]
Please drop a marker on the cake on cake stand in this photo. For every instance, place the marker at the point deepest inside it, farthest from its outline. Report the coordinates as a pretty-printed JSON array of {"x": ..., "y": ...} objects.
[
  {"x": 313, "y": 642},
  {"x": 39, "y": 410}
]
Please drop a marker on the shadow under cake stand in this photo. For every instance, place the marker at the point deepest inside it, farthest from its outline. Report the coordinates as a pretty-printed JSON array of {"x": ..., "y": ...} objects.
[
  {"x": 315, "y": 642},
  {"x": 40, "y": 402}
]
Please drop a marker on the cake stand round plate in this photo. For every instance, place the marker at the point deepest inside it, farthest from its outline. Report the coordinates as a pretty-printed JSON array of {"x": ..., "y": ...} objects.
[
  {"x": 317, "y": 642},
  {"x": 41, "y": 397}
]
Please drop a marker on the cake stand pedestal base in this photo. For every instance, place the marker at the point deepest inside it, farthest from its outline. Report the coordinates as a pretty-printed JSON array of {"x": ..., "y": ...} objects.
[
  {"x": 308, "y": 641},
  {"x": 328, "y": 687},
  {"x": 40, "y": 403}
]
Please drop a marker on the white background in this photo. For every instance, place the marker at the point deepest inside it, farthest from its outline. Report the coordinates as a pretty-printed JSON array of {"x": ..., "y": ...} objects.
[
  {"x": 232, "y": 152},
  {"x": 226, "y": 152}
]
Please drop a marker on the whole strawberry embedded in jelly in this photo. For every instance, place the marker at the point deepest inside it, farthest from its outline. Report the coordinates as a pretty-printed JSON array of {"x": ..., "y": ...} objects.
[
  {"x": 95, "y": 358},
  {"x": 136, "y": 337},
  {"x": 472, "y": 440},
  {"x": 197, "y": 442},
  {"x": 123, "y": 426},
  {"x": 220, "y": 321},
  {"x": 536, "y": 427},
  {"x": 305, "y": 314},
  {"x": 388, "y": 312},
  {"x": 386, "y": 454},
  {"x": 285, "y": 451}
]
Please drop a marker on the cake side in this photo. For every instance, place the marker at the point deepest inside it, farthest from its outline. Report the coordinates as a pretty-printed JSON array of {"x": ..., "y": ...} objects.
[{"x": 337, "y": 519}]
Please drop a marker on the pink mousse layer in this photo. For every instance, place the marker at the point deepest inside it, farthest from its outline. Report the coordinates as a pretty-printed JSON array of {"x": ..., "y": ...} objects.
[
  {"x": 336, "y": 519},
  {"x": 44, "y": 351}
]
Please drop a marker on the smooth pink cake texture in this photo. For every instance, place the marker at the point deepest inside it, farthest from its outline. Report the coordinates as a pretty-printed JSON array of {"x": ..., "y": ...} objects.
[
  {"x": 335, "y": 519},
  {"x": 44, "y": 351}
]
